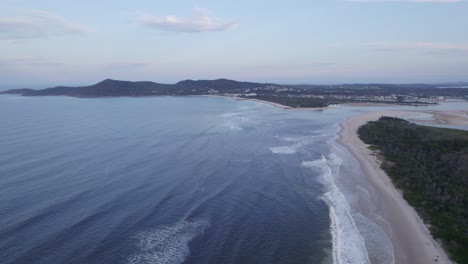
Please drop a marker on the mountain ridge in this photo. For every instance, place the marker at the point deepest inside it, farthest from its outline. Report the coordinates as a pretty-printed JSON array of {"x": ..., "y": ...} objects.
[{"x": 111, "y": 87}]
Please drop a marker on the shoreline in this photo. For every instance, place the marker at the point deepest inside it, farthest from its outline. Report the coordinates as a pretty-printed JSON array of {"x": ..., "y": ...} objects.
[
  {"x": 410, "y": 237},
  {"x": 247, "y": 99},
  {"x": 277, "y": 105}
]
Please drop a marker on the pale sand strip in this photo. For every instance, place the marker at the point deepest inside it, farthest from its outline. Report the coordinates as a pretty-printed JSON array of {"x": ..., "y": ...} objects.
[
  {"x": 249, "y": 99},
  {"x": 448, "y": 117},
  {"x": 281, "y": 105},
  {"x": 266, "y": 102},
  {"x": 411, "y": 239}
]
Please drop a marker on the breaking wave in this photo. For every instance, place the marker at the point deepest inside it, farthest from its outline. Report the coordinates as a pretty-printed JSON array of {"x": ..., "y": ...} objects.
[
  {"x": 284, "y": 150},
  {"x": 348, "y": 244},
  {"x": 167, "y": 244},
  {"x": 299, "y": 142}
]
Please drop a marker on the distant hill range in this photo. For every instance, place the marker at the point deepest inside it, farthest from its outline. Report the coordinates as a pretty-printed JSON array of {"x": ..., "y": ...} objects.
[
  {"x": 291, "y": 95},
  {"x": 110, "y": 87}
]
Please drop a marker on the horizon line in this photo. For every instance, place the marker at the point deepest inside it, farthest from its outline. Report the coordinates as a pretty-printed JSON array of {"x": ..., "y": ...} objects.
[{"x": 45, "y": 86}]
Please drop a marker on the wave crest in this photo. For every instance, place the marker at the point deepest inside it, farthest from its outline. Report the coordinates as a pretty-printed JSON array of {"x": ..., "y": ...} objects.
[{"x": 167, "y": 244}]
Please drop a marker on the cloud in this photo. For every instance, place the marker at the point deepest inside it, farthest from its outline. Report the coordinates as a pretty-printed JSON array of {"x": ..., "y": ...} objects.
[
  {"x": 199, "y": 22},
  {"x": 37, "y": 24},
  {"x": 433, "y": 48},
  {"x": 410, "y": 1}
]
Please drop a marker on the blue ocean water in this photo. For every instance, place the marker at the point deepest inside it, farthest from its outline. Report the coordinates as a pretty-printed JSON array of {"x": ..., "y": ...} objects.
[
  {"x": 176, "y": 180},
  {"x": 161, "y": 180}
]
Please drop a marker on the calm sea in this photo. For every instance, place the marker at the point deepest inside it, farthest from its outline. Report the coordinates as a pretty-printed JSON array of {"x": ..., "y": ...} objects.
[{"x": 171, "y": 180}]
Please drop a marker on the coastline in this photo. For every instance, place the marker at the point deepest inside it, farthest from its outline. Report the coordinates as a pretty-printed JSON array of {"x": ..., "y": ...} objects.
[
  {"x": 254, "y": 100},
  {"x": 410, "y": 237},
  {"x": 277, "y": 105},
  {"x": 265, "y": 102}
]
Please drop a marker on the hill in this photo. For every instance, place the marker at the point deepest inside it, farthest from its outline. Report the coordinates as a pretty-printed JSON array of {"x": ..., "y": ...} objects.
[{"x": 110, "y": 87}]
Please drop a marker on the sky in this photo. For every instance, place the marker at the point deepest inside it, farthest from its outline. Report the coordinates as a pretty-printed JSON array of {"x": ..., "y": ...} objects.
[{"x": 56, "y": 42}]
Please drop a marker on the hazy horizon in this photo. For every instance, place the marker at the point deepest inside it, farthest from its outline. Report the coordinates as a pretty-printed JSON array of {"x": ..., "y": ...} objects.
[{"x": 4, "y": 87}]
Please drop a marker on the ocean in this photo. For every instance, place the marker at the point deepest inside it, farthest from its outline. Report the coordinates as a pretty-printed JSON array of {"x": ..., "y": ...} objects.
[{"x": 178, "y": 180}]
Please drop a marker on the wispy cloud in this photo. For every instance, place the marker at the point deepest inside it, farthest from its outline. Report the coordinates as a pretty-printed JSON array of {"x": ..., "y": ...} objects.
[
  {"x": 410, "y": 1},
  {"x": 200, "y": 21},
  {"x": 433, "y": 48},
  {"x": 37, "y": 24}
]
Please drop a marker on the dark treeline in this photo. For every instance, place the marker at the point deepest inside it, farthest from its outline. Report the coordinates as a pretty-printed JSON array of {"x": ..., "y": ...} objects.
[
  {"x": 296, "y": 101},
  {"x": 430, "y": 166}
]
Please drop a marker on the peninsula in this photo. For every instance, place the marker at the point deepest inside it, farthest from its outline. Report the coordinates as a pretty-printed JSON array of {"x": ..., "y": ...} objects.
[
  {"x": 430, "y": 166},
  {"x": 420, "y": 175}
]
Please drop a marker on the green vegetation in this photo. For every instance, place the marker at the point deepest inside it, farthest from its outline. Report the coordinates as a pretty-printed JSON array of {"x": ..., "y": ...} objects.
[{"x": 430, "y": 165}]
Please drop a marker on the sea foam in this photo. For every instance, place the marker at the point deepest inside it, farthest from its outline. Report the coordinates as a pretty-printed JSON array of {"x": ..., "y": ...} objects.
[
  {"x": 348, "y": 244},
  {"x": 299, "y": 142},
  {"x": 284, "y": 150},
  {"x": 167, "y": 244}
]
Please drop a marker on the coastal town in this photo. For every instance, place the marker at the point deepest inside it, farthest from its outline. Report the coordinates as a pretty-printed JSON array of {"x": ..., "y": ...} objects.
[{"x": 309, "y": 95}]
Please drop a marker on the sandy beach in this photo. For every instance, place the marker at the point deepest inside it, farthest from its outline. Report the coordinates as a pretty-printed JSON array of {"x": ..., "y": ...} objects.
[
  {"x": 412, "y": 241},
  {"x": 267, "y": 102},
  {"x": 250, "y": 99},
  {"x": 410, "y": 237}
]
